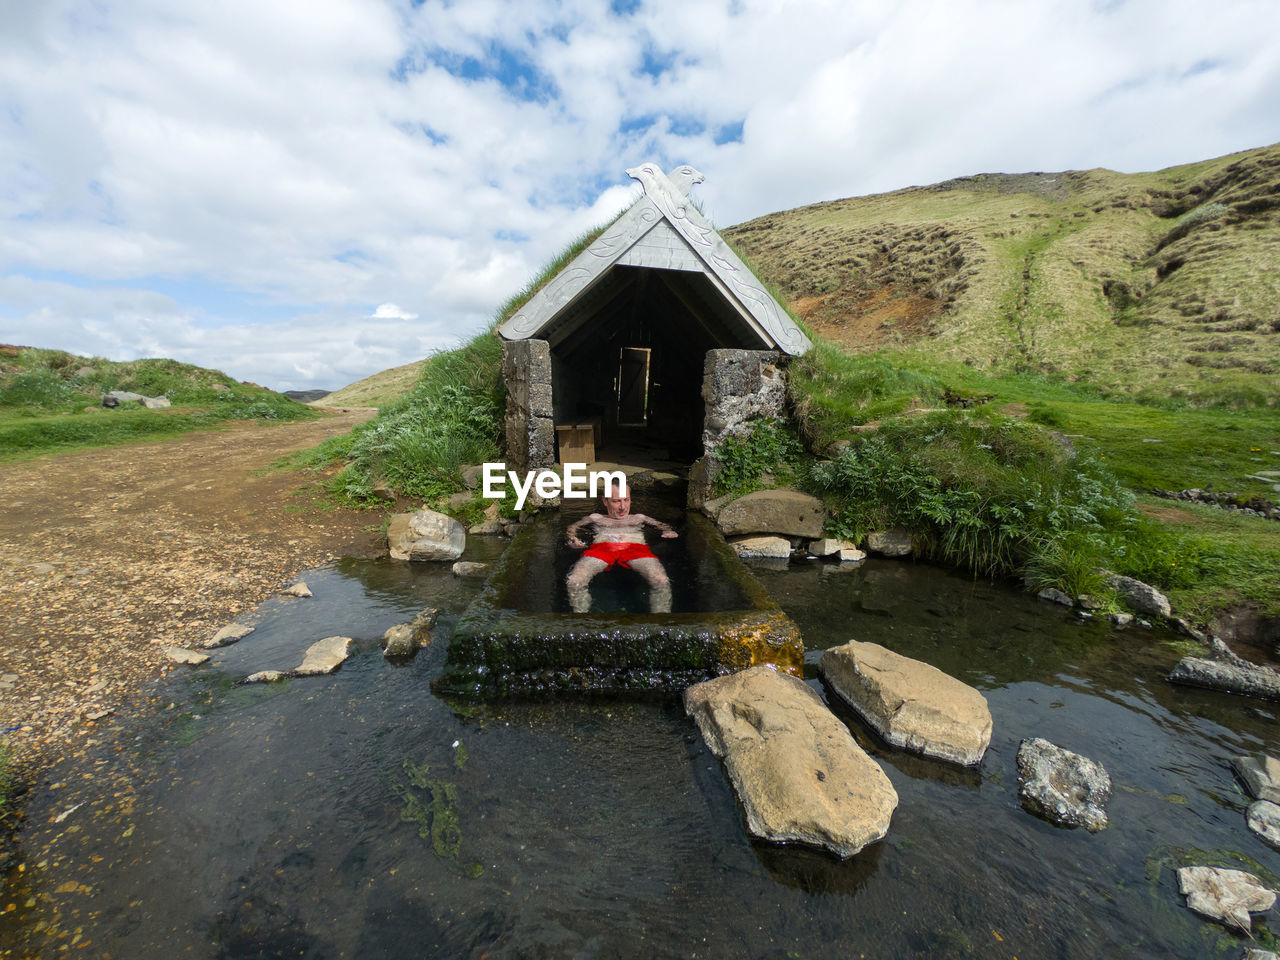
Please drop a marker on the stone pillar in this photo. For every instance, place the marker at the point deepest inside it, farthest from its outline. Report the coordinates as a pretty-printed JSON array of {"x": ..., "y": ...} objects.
[
  {"x": 738, "y": 386},
  {"x": 530, "y": 429}
]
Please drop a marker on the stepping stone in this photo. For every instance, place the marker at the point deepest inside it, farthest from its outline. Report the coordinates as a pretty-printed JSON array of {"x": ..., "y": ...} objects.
[
  {"x": 227, "y": 635},
  {"x": 911, "y": 704},
  {"x": 299, "y": 589},
  {"x": 266, "y": 676},
  {"x": 1260, "y": 775},
  {"x": 325, "y": 656},
  {"x": 796, "y": 769},
  {"x": 1263, "y": 818},
  {"x": 1063, "y": 787}
]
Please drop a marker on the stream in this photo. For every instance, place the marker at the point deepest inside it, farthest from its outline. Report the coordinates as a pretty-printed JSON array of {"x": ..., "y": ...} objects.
[{"x": 358, "y": 815}]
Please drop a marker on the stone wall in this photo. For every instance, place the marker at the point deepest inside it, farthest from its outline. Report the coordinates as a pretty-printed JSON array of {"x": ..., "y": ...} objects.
[
  {"x": 738, "y": 386},
  {"x": 530, "y": 429}
]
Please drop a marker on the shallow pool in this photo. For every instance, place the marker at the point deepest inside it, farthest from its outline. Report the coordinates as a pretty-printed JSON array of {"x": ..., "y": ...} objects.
[{"x": 358, "y": 815}]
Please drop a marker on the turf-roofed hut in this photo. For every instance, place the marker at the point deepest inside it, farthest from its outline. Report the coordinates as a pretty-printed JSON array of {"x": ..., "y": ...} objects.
[
  {"x": 657, "y": 335},
  {"x": 661, "y": 338}
]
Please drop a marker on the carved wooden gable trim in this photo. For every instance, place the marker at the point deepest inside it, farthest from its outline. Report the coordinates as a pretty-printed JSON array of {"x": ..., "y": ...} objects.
[{"x": 663, "y": 230}]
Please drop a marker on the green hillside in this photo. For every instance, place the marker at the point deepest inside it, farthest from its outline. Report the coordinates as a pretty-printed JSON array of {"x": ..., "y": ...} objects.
[
  {"x": 1159, "y": 285},
  {"x": 52, "y": 400}
]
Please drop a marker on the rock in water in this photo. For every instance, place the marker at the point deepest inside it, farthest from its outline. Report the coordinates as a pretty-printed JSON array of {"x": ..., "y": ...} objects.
[
  {"x": 1228, "y": 896},
  {"x": 781, "y": 511},
  {"x": 794, "y": 766},
  {"x": 325, "y": 656},
  {"x": 299, "y": 589},
  {"x": 228, "y": 634},
  {"x": 911, "y": 704},
  {"x": 266, "y": 676},
  {"x": 405, "y": 639},
  {"x": 1260, "y": 775},
  {"x": 182, "y": 655},
  {"x": 894, "y": 542},
  {"x": 777, "y": 548},
  {"x": 1141, "y": 597},
  {"x": 1062, "y": 786},
  {"x": 425, "y": 535},
  {"x": 1263, "y": 818},
  {"x": 468, "y": 568},
  {"x": 1228, "y": 672}
]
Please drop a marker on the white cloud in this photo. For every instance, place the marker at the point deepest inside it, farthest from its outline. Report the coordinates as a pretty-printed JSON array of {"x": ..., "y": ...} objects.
[{"x": 337, "y": 184}]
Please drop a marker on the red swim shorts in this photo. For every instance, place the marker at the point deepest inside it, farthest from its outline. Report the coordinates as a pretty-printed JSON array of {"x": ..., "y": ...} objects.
[{"x": 619, "y": 553}]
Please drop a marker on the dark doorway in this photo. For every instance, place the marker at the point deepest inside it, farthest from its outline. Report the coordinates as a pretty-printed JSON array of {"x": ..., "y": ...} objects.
[{"x": 633, "y": 386}]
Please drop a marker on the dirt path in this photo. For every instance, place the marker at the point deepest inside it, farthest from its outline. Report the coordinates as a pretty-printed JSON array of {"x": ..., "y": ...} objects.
[{"x": 105, "y": 554}]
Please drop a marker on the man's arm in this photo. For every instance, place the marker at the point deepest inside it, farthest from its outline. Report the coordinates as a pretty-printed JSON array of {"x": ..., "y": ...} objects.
[
  {"x": 572, "y": 533},
  {"x": 667, "y": 531}
]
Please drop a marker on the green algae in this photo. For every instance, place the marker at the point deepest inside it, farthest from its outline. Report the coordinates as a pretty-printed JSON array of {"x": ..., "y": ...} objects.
[{"x": 433, "y": 804}]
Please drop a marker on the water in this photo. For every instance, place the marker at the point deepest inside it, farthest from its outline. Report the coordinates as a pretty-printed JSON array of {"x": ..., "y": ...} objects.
[{"x": 270, "y": 821}]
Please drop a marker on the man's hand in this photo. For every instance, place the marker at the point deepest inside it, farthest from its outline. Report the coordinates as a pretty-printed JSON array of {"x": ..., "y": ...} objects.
[{"x": 576, "y": 543}]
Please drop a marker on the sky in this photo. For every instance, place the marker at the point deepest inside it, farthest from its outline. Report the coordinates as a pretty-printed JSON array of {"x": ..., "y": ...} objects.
[{"x": 304, "y": 192}]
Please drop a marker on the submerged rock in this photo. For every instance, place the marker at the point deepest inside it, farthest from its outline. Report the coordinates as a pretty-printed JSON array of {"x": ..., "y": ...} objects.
[
  {"x": 405, "y": 639},
  {"x": 325, "y": 656},
  {"x": 778, "y": 548},
  {"x": 299, "y": 589},
  {"x": 1061, "y": 786},
  {"x": 1263, "y": 818},
  {"x": 1260, "y": 775},
  {"x": 894, "y": 542},
  {"x": 469, "y": 568},
  {"x": 182, "y": 655},
  {"x": 796, "y": 769},
  {"x": 1141, "y": 597},
  {"x": 911, "y": 704},
  {"x": 782, "y": 511},
  {"x": 1228, "y": 896},
  {"x": 227, "y": 635},
  {"x": 425, "y": 535},
  {"x": 1227, "y": 672}
]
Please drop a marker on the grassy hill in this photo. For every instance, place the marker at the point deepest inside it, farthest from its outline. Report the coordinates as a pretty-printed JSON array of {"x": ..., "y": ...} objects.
[
  {"x": 51, "y": 400},
  {"x": 376, "y": 390},
  {"x": 1157, "y": 285}
]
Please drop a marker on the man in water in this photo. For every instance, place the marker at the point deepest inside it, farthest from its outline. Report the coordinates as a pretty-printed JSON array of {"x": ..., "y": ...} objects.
[{"x": 619, "y": 538}]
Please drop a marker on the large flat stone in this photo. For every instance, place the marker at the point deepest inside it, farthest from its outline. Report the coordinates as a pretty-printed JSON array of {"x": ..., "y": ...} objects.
[
  {"x": 325, "y": 656},
  {"x": 796, "y": 769},
  {"x": 785, "y": 512},
  {"x": 911, "y": 704},
  {"x": 1228, "y": 896},
  {"x": 228, "y": 634}
]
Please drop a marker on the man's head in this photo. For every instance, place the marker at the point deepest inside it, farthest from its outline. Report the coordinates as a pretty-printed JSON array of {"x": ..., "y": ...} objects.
[{"x": 617, "y": 500}]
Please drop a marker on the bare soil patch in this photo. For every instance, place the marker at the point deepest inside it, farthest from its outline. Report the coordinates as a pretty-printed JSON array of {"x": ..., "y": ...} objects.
[
  {"x": 865, "y": 320},
  {"x": 107, "y": 553}
]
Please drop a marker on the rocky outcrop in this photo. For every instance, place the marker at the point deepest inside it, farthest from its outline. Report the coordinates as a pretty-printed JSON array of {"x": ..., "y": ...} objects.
[
  {"x": 796, "y": 769},
  {"x": 1260, "y": 775},
  {"x": 783, "y": 511},
  {"x": 1140, "y": 597},
  {"x": 325, "y": 656},
  {"x": 1228, "y": 896},
  {"x": 228, "y": 635},
  {"x": 405, "y": 639},
  {"x": 1263, "y": 818},
  {"x": 911, "y": 704},
  {"x": 1223, "y": 670},
  {"x": 425, "y": 535},
  {"x": 1061, "y": 786},
  {"x": 894, "y": 542},
  {"x": 777, "y": 548}
]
